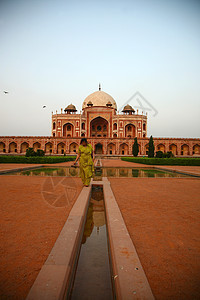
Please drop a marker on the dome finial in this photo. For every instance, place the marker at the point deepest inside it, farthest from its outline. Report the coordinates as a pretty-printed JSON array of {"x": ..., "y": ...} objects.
[{"x": 99, "y": 86}]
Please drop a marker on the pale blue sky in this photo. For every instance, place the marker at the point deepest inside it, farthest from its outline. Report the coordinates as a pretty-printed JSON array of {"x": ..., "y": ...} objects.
[{"x": 56, "y": 52}]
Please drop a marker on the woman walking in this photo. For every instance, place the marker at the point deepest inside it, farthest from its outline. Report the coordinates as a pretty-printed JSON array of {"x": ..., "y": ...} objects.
[{"x": 85, "y": 153}]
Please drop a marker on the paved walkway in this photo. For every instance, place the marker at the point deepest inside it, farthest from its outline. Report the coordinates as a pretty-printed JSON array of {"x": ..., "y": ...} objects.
[
  {"x": 188, "y": 169},
  {"x": 16, "y": 166},
  {"x": 33, "y": 212},
  {"x": 163, "y": 219},
  {"x": 120, "y": 163}
]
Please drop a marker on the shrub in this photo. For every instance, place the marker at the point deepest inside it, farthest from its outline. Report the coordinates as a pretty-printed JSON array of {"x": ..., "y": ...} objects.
[
  {"x": 35, "y": 159},
  {"x": 40, "y": 152},
  {"x": 170, "y": 154},
  {"x": 172, "y": 161},
  {"x": 159, "y": 154},
  {"x": 167, "y": 154},
  {"x": 31, "y": 152}
]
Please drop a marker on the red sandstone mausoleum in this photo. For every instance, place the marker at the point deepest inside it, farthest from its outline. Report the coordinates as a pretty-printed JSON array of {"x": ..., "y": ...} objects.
[{"x": 109, "y": 132}]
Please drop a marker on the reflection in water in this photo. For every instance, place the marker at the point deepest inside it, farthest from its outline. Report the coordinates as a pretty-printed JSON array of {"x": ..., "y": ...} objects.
[
  {"x": 93, "y": 278},
  {"x": 89, "y": 224},
  {"x": 139, "y": 172},
  {"x": 99, "y": 172}
]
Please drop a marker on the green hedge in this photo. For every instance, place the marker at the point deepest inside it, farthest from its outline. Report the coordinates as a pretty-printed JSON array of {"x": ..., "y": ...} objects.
[
  {"x": 175, "y": 161},
  {"x": 35, "y": 159}
]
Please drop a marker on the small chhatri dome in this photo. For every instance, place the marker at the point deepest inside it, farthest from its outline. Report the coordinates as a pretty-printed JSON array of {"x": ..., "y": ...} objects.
[
  {"x": 109, "y": 104},
  {"x": 89, "y": 103},
  {"x": 70, "y": 107},
  {"x": 128, "y": 108}
]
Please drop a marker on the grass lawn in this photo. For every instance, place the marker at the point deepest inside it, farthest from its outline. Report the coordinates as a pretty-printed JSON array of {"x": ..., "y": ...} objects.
[{"x": 175, "y": 161}]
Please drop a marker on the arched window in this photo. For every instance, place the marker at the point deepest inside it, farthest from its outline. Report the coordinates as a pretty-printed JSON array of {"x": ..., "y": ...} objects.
[
  {"x": 83, "y": 134},
  {"x": 114, "y": 135},
  {"x": 68, "y": 129},
  {"x": 144, "y": 126},
  {"x": 115, "y": 126},
  {"x": 54, "y": 125},
  {"x": 130, "y": 130},
  {"x": 83, "y": 126}
]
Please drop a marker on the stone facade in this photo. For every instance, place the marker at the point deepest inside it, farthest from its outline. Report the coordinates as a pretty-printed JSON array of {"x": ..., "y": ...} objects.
[
  {"x": 109, "y": 132},
  {"x": 105, "y": 146}
]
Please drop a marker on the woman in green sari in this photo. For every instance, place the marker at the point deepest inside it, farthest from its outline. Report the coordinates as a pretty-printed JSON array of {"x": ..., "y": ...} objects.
[{"x": 85, "y": 153}]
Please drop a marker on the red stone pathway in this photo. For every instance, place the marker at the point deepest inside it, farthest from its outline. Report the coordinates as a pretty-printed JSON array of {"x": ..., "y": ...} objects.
[
  {"x": 29, "y": 228},
  {"x": 16, "y": 166},
  {"x": 120, "y": 163},
  {"x": 163, "y": 219},
  {"x": 188, "y": 169}
]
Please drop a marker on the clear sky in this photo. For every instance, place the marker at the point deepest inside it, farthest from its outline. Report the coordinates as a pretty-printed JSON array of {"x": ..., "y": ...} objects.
[{"x": 55, "y": 52}]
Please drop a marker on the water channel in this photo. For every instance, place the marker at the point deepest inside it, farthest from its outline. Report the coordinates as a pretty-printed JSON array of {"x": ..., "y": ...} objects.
[{"x": 93, "y": 276}]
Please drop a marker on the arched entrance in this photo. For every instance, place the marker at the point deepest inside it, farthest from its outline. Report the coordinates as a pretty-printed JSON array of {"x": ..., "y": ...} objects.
[
  {"x": 111, "y": 149},
  {"x": 36, "y": 146},
  {"x": 98, "y": 149},
  {"x": 161, "y": 147},
  {"x": 196, "y": 149},
  {"x": 146, "y": 147},
  {"x": 173, "y": 149},
  {"x": 2, "y": 147},
  {"x": 48, "y": 148},
  {"x": 61, "y": 148},
  {"x": 99, "y": 127},
  {"x": 24, "y": 147},
  {"x": 184, "y": 149},
  {"x": 123, "y": 149},
  {"x": 12, "y": 147},
  {"x": 73, "y": 148}
]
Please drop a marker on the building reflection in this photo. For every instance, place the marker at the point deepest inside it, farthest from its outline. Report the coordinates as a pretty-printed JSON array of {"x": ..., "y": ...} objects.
[{"x": 95, "y": 215}]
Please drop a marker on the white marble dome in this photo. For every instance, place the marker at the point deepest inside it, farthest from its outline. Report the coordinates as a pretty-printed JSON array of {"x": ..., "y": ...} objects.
[{"x": 99, "y": 98}]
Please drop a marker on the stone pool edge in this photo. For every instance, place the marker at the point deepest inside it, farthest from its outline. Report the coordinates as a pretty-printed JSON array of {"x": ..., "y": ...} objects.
[
  {"x": 130, "y": 280},
  {"x": 54, "y": 277}
]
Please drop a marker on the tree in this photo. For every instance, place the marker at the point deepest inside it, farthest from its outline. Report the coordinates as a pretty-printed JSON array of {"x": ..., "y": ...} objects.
[
  {"x": 135, "y": 147},
  {"x": 151, "y": 147}
]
